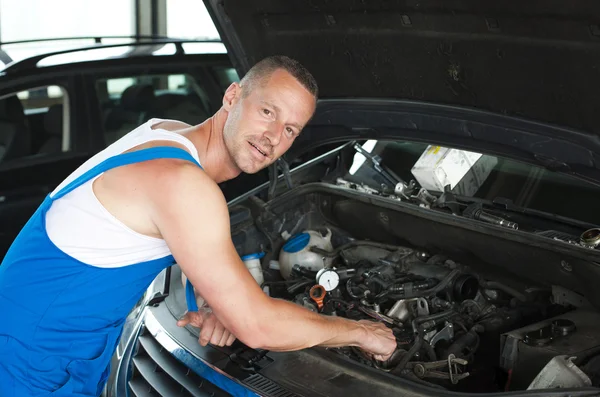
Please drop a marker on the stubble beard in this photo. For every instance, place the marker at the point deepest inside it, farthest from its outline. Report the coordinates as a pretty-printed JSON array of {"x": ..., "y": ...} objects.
[{"x": 238, "y": 148}]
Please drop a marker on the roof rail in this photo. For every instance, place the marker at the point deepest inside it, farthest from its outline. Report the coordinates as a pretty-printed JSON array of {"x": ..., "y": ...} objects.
[
  {"x": 31, "y": 62},
  {"x": 98, "y": 39}
]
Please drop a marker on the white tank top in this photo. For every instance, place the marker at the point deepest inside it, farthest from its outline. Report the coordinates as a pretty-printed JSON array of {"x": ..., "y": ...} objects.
[{"x": 79, "y": 225}]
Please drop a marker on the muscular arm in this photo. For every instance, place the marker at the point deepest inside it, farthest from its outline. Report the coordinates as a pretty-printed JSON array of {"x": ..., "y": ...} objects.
[{"x": 192, "y": 217}]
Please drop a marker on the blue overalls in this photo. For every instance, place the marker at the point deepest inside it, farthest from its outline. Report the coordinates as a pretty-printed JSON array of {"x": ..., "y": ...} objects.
[{"x": 61, "y": 319}]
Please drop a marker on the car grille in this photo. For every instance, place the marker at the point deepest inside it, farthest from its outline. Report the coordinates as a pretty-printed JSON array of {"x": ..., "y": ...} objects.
[
  {"x": 268, "y": 387},
  {"x": 155, "y": 372}
]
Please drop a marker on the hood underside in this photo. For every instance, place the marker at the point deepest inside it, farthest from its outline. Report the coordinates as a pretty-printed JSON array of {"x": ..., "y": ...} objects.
[{"x": 538, "y": 60}]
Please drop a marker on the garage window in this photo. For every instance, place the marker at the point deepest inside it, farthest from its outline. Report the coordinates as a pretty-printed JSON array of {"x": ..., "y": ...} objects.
[
  {"x": 190, "y": 19},
  {"x": 34, "y": 123}
]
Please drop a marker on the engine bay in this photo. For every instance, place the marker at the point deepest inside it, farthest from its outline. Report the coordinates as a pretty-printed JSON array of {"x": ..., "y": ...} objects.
[{"x": 456, "y": 327}]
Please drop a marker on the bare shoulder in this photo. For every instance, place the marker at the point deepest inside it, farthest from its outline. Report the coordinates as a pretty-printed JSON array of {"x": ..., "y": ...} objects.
[
  {"x": 140, "y": 193},
  {"x": 187, "y": 205},
  {"x": 180, "y": 184}
]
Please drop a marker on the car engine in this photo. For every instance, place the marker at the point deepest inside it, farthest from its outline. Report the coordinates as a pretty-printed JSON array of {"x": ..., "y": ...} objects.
[{"x": 454, "y": 328}]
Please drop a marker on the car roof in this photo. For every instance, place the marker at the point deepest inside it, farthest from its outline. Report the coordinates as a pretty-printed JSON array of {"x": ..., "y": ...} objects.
[{"x": 32, "y": 55}]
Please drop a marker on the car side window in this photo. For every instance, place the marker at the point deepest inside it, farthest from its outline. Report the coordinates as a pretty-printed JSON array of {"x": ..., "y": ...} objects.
[
  {"x": 129, "y": 101},
  {"x": 225, "y": 76},
  {"x": 34, "y": 123}
]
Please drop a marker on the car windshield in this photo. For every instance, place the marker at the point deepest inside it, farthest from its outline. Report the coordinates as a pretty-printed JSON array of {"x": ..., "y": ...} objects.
[{"x": 480, "y": 176}]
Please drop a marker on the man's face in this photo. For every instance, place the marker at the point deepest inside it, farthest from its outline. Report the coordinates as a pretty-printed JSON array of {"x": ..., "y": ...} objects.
[{"x": 262, "y": 126}]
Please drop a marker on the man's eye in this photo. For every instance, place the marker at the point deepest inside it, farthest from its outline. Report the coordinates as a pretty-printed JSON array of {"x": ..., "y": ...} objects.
[
  {"x": 267, "y": 112},
  {"x": 290, "y": 131}
]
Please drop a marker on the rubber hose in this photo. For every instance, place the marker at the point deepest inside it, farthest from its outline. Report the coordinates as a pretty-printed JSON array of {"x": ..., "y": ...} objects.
[
  {"x": 505, "y": 288},
  {"x": 437, "y": 259},
  {"x": 349, "y": 290},
  {"x": 383, "y": 295},
  {"x": 263, "y": 230},
  {"x": 432, "y": 317},
  {"x": 430, "y": 351},
  {"x": 412, "y": 351},
  {"x": 438, "y": 288},
  {"x": 419, "y": 339},
  {"x": 416, "y": 285},
  {"x": 466, "y": 340}
]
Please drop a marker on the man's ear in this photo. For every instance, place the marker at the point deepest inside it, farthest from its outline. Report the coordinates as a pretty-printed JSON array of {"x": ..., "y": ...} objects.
[{"x": 232, "y": 94}]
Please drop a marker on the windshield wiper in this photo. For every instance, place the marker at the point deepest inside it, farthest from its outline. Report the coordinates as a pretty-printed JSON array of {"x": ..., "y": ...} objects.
[
  {"x": 475, "y": 211},
  {"x": 506, "y": 205}
]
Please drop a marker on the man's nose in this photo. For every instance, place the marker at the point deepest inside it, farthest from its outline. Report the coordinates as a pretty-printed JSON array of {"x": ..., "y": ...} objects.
[{"x": 273, "y": 133}]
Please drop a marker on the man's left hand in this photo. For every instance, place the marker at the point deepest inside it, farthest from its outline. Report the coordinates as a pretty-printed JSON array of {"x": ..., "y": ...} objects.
[{"x": 211, "y": 329}]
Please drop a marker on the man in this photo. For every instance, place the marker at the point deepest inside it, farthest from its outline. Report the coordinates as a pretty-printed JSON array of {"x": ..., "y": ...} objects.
[{"x": 151, "y": 198}]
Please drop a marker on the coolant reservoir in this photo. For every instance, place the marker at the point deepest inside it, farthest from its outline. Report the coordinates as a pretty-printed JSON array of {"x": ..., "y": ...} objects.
[{"x": 296, "y": 251}]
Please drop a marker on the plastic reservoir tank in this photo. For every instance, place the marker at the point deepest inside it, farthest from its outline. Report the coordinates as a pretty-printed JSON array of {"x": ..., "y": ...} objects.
[
  {"x": 252, "y": 262},
  {"x": 296, "y": 251}
]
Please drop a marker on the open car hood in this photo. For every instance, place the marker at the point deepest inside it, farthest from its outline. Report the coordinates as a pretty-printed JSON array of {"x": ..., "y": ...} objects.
[{"x": 535, "y": 60}]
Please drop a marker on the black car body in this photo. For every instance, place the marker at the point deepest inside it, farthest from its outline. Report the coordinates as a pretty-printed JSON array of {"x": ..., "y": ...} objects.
[
  {"x": 66, "y": 102},
  {"x": 505, "y": 279}
]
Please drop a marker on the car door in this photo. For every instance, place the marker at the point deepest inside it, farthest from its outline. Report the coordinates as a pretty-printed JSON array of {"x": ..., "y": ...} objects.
[{"x": 42, "y": 141}]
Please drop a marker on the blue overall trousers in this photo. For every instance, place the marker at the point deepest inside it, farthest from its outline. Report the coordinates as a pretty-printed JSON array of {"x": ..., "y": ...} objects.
[{"x": 61, "y": 319}]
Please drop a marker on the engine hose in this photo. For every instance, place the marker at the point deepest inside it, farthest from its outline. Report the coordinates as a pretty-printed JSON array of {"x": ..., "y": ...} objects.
[
  {"x": 382, "y": 295},
  {"x": 437, "y": 259},
  {"x": 581, "y": 359},
  {"x": 432, "y": 317},
  {"x": 263, "y": 230},
  {"x": 467, "y": 340},
  {"x": 417, "y": 285},
  {"x": 504, "y": 288},
  {"x": 349, "y": 289},
  {"x": 356, "y": 243},
  {"x": 435, "y": 290},
  {"x": 396, "y": 291},
  {"x": 412, "y": 351},
  {"x": 419, "y": 338},
  {"x": 293, "y": 288},
  {"x": 430, "y": 351}
]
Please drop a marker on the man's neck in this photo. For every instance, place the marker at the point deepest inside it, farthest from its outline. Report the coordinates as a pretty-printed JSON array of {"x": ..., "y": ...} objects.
[{"x": 214, "y": 156}]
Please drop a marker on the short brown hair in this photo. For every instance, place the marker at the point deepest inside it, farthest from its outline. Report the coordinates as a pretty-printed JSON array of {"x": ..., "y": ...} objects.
[{"x": 262, "y": 70}]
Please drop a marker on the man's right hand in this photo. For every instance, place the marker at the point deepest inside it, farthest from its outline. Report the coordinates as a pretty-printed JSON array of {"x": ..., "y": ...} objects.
[{"x": 379, "y": 341}]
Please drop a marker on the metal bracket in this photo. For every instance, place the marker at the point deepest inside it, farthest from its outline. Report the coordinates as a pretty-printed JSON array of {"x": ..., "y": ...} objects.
[
  {"x": 422, "y": 307},
  {"x": 446, "y": 333},
  {"x": 429, "y": 369}
]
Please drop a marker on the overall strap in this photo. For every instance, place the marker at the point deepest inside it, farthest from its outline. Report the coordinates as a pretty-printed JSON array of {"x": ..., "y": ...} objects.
[
  {"x": 131, "y": 158},
  {"x": 126, "y": 159},
  {"x": 190, "y": 297}
]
